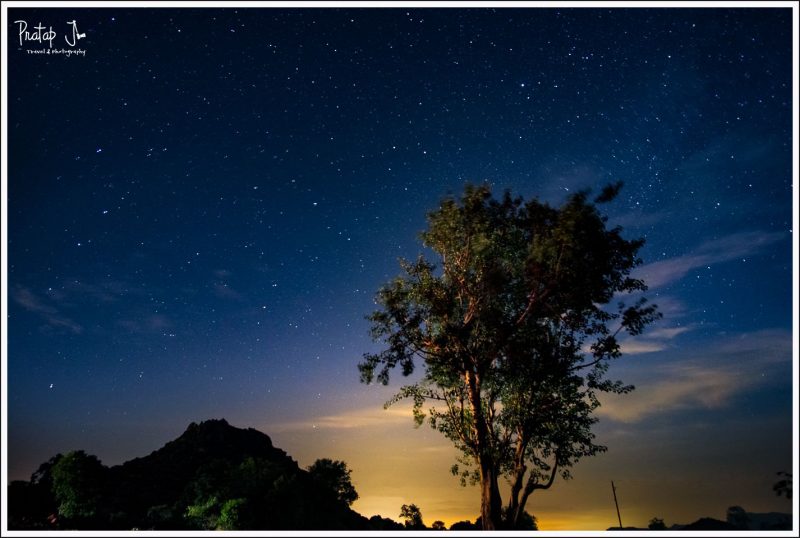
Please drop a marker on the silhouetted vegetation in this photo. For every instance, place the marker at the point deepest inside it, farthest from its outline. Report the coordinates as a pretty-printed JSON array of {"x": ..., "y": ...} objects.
[
  {"x": 526, "y": 522},
  {"x": 214, "y": 476},
  {"x": 384, "y": 524},
  {"x": 708, "y": 524},
  {"x": 740, "y": 519},
  {"x": 464, "y": 526},
  {"x": 335, "y": 476},
  {"x": 412, "y": 517},
  {"x": 32, "y": 505},
  {"x": 218, "y": 477},
  {"x": 736, "y": 519},
  {"x": 783, "y": 487},
  {"x": 513, "y": 330}
]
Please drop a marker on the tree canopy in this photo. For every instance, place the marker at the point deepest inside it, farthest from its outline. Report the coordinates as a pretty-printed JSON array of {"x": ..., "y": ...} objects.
[
  {"x": 514, "y": 329},
  {"x": 412, "y": 517},
  {"x": 78, "y": 480},
  {"x": 335, "y": 476}
]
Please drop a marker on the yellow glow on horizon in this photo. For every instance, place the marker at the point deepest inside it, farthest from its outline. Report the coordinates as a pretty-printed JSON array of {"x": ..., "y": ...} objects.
[{"x": 393, "y": 463}]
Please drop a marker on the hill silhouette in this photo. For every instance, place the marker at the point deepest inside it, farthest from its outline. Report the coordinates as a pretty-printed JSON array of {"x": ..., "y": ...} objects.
[{"x": 214, "y": 476}]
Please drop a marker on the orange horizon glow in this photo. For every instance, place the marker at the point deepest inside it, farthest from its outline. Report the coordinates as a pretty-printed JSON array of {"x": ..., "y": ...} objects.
[{"x": 393, "y": 463}]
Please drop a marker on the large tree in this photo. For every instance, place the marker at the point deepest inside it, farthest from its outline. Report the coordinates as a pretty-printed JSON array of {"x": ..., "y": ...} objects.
[
  {"x": 515, "y": 330},
  {"x": 335, "y": 476},
  {"x": 412, "y": 516},
  {"x": 79, "y": 481}
]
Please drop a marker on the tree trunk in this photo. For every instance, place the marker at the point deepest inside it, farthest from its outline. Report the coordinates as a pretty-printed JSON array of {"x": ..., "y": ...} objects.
[
  {"x": 520, "y": 468},
  {"x": 491, "y": 504},
  {"x": 516, "y": 506}
]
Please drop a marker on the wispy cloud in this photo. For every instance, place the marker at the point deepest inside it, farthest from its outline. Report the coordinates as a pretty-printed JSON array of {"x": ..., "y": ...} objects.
[
  {"x": 103, "y": 292},
  {"x": 731, "y": 247},
  {"x": 633, "y": 347},
  {"x": 668, "y": 332},
  {"x": 371, "y": 417},
  {"x": 51, "y": 315},
  {"x": 670, "y": 307},
  {"x": 653, "y": 340},
  {"x": 711, "y": 378},
  {"x": 684, "y": 388}
]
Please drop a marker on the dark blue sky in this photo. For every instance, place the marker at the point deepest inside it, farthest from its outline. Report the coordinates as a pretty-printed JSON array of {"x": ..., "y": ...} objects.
[{"x": 202, "y": 207}]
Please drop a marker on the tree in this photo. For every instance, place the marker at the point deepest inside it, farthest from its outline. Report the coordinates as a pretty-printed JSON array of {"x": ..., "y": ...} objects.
[
  {"x": 78, "y": 485},
  {"x": 783, "y": 487},
  {"x": 32, "y": 505},
  {"x": 464, "y": 526},
  {"x": 657, "y": 524},
  {"x": 737, "y": 517},
  {"x": 412, "y": 516},
  {"x": 514, "y": 332},
  {"x": 335, "y": 476},
  {"x": 438, "y": 525}
]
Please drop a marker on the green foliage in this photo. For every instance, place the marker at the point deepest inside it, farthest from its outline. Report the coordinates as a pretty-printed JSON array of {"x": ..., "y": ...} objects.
[
  {"x": 78, "y": 481},
  {"x": 657, "y": 524},
  {"x": 204, "y": 515},
  {"x": 412, "y": 517},
  {"x": 514, "y": 329},
  {"x": 232, "y": 515},
  {"x": 335, "y": 476},
  {"x": 466, "y": 473},
  {"x": 220, "y": 491}
]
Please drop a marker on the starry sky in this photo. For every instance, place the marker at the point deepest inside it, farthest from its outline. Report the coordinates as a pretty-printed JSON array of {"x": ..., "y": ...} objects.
[{"x": 202, "y": 207}]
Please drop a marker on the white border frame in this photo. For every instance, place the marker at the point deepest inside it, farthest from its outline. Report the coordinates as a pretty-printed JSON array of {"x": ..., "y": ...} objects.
[{"x": 385, "y": 4}]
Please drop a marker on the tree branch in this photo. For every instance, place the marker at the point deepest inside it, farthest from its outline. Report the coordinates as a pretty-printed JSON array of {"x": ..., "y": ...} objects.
[
  {"x": 533, "y": 485},
  {"x": 602, "y": 357},
  {"x": 458, "y": 423}
]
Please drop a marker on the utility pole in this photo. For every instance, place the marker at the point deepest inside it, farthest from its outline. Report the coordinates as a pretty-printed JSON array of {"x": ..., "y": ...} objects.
[{"x": 614, "y": 489}]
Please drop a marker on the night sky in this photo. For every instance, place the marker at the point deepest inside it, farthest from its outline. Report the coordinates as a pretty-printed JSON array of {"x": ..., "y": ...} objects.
[{"x": 202, "y": 208}]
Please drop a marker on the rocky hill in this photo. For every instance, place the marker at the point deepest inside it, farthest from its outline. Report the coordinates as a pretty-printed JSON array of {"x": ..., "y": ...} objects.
[{"x": 214, "y": 476}]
